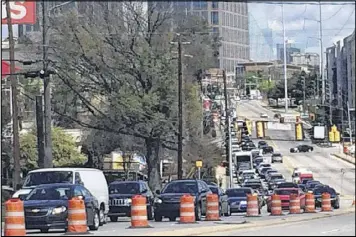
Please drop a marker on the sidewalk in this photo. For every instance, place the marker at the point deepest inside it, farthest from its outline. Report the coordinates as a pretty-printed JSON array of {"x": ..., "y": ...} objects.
[{"x": 347, "y": 158}]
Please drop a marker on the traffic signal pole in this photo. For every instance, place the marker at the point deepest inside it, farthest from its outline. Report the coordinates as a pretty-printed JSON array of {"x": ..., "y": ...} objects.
[
  {"x": 226, "y": 114},
  {"x": 230, "y": 154}
]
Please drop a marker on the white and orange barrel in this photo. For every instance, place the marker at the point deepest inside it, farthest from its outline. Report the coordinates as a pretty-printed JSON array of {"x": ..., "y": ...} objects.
[
  {"x": 309, "y": 203},
  {"x": 252, "y": 205},
  {"x": 77, "y": 218},
  {"x": 294, "y": 204},
  {"x": 325, "y": 202},
  {"x": 276, "y": 205},
  {"x": 14, "y": 218},
  {"x": 139, "y": 212},
  {"x": 212, "y": 207},
  {"x": 187, "y": 213}
]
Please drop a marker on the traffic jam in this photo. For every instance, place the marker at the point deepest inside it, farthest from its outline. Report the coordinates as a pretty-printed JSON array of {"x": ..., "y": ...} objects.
[{"x": 77, "y": 199}]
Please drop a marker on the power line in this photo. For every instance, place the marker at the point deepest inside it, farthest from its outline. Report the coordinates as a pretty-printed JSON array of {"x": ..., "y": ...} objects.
[
  {"x": 309, "y": 3},
  {"x": 334, "y": 13},
  {"x": 345, "y": 22}
]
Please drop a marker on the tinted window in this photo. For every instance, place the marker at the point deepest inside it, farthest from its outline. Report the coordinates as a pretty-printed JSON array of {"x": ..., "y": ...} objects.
[
  {"x": 285, "y": 191},
  {"x": 124, "y": 188},
  {"x": 276, "y": 155},
  {"x": 50, "y": 193},
  {"x": 319, "y": 191},
  {"x": 214, "y": 190},
  {"x": 50, "y": 177},
  {"x": 181, "y": 187},
  {"x": 276, "y": 177},
  {"x": 238, "y": 192},
  {"x": 243, "y": 158},
  {"x": 253, "y": 185}
]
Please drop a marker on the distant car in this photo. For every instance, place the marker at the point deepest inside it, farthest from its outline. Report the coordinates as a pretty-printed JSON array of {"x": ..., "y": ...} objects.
[
  {"x": 46, "y": 206},
  {"x": 276, "y": 182},
  {"x": 264, "y": 115},
  {"x": 270, "y": 172},
  {"x": 262, "y": 144},
  {"x": 238, "y": 199},
  {"x": 257, "y": 161},
  {"x": 334, "y": 196},
  {"x": 224, "y": 206},
  {"x": 262, "y": 165},
  {"x": 311, "y": 184},
  {"x": 272, "y": 178},
  {"x": 287, "y": 185},
  {"x": 301, "y": 148},
  {"x": 277, "y": 157},
  {"x": 267, "y": 149}
]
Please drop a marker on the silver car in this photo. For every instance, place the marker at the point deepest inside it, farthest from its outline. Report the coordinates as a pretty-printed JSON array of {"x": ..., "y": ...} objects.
[{"x": 277, "y": 157}]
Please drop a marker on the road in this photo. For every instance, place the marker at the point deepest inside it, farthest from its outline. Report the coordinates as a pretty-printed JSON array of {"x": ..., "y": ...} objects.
[{"x": 332, "y": 226}]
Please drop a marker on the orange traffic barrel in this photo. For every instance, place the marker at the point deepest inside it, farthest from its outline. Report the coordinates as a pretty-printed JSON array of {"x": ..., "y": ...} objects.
[
  {"x": 14, "y": 218},
  {"x": 187, "y": 213},
  {"x": 212, "y": 207},
  {"x": 309, "y": 203},
  {"x": 139, "y": 212},
  {"x": 325, "y": 202},
  {"x": 294, "y": 204},
  {"x": 77, "y": 217},
  {"x": 252, "y": 205},
  {"x": 276, "y": 205}
]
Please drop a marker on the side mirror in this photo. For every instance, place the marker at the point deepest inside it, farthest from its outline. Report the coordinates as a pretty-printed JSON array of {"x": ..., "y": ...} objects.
[
  {"x": 158, "y": 192},
  {"x": 81, "y": 197},
  {"x": 22, "y": 196},
  {"x": 337, "y": 193}
]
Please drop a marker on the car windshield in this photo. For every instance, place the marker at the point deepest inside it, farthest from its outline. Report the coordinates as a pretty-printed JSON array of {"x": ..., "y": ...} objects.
[
  {"x": 264, "y": 169},
  {"x": 262, "y": 143},
  {"x": 181, "y": 187},
  {"x": 214, "y": 190},
  {"x": 258, "y": 160},
  {"x": 248, "y": 174},
  {"x": 276, "y": 177},
  {"x": 253, "y": 185},
  {"x": 238, "y": 192},
  {"x": 305, "y": 180},
  {"x": 319, "y": 191},
  {"x": 124, "y": 188},
  {"x": 285, "y": 191},
  {"x": 276, "y": 155},
  {"x": 48, "y": 177},
  {"x": 312, "y": 184},
  {"x": 50, "y": 193}
]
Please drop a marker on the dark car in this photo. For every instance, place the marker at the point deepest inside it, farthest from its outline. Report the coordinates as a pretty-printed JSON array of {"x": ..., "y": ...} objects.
[
  {"x": 120, "y": 197},
  {"x": 311, "y": 184},
  {"x": 267, "y": 150},
  {"x": 302, "y": 148},
  {"x": 257, "y": 161},
  {"x": 274, "y": 184},
  {"x": 262, "y": 144},
  {"x": 46, "y": 206},
  {"x": 224, "y": 206},
  {"x": 287, "y": 185},
  {"x": 272, "y": 178},
  {"x": 167, "y": 204},
  {"x": 238, "y": 199},
  {"x": 262, "y": 171},
  {"x": 334, "y": 196},
  {"x": 277, "y": 157}
]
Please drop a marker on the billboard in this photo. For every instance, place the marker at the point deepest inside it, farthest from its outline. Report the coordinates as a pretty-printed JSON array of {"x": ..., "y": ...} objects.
[
  {"x": 22, "y": 12},
  {"x": 319, "y": 132}
]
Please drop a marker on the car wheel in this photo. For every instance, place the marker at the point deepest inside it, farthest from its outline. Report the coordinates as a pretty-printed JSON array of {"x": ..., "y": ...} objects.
[
  {"x": 198, "y": 213},
  {"x": 96, "y": 221},
  {"x": 150, "y": 212},
  {"x": 102, "y": 217},
  {"x": 259, "y": 211},
  {"x": 172, "y": 218},
  {"x": 45, "y": 230},
  {"x": 337, "y": 205},
  {"x": 157, "y": 218},
  {"x": 113, "y": 218},
  {"x": 268, "y": 209}
]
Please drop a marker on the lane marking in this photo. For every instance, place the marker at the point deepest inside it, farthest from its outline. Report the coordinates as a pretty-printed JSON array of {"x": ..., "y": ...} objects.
[
  {"x": 330, "y": 231},
  {"x": 287, "y": 163}
]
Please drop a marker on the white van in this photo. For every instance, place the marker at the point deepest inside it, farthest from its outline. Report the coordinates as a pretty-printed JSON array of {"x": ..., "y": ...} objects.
[{"x": 92, "y": 179}]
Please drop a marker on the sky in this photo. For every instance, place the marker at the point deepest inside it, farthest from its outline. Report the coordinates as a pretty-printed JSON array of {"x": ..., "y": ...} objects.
[
  {"x": 301, "y": 23},
  {"x": 302, "y": 28}
]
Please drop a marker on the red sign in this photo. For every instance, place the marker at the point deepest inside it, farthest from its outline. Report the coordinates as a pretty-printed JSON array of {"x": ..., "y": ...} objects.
[
  {"x": 22, "y": 12},
  {"x": 5, "y": 69}
]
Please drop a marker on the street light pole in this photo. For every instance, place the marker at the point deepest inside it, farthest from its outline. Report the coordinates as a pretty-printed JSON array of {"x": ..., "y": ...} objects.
[
  {"x": 322, "y": 73},
  {"x": 180, "y": 110},
  {"x": 285, "y": 63},
  {"x": 349, "y": 118}
]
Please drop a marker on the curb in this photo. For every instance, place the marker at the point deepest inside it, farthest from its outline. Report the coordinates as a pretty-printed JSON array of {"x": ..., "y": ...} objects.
[
  {"x": 343, "y": 158},
  {"x": 212, "y": 229}
]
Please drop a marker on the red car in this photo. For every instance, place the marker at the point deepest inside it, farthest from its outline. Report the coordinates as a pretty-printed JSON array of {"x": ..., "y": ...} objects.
[{"x": 284, "y": 195}]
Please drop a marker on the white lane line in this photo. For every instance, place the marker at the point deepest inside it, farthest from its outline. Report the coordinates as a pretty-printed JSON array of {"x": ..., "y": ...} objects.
[{"x": 330, "y": 231}]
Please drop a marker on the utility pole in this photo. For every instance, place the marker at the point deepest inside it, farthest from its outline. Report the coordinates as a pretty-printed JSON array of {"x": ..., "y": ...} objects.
[
  {"x": 180, "y": 110},
  {"x": 285, "y": 63},
  {"x": 349, "y": 118},
  {"x": 15, "y": 121},
  {"x": 48, "y": 162},
  {"x": 303, "y": 95},
  {"x": 230, "y": 154},
  {"x": 40, "y": 142},
  {"x": 226, "y": 114},
  {"x": 322, "y": 73}
]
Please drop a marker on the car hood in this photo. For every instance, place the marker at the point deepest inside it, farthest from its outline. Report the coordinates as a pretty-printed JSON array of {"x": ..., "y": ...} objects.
[
  {"x": 45, "y": 203},
  {"x": 22, "y": 192},
  {"x": 172, "y": 197}
]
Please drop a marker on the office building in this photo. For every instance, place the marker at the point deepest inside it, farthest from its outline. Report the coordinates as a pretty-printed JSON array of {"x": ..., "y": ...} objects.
[
  {"x": 312, "y": 59},
  {"x": 289, "y": 51}
]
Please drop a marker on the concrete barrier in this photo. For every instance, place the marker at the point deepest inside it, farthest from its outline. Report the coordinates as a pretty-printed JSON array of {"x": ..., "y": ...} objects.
[{"x": 346, "y": 158}]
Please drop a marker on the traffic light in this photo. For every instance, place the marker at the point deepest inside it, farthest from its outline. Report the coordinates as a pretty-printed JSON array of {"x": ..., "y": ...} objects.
[
  {"x": 299, "y": 132},
  {"x": 281, "y": 119},
  {"x": 312, "y": 117},
  {"x": 249, "y": 126},
  {"x": 327, "y": 92},
  {"x": 260, "y": 133},
  {"x": 334, "y": 134},
  {"x": 297, "y": 119}
]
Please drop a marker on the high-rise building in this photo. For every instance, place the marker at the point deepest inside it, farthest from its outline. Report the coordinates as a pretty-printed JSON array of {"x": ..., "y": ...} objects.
[
  {"x": 289, "y": 51},
  {"x": 229, "y": 20}
]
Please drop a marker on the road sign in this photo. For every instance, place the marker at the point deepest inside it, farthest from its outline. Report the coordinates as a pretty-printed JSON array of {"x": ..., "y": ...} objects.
[
  {"x": 199, "y": 163},
  {"x": 22, "y": 12},
  {"x": 279, "y": 126}
]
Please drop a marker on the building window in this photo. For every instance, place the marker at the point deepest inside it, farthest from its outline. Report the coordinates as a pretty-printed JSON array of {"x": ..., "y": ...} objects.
[
  {"x": 214, "y": 5},
  {"x": 235, "y": 21},
  {"x": 214, "y": 18},
  {"x": 204, "y": 5},
  {"x": 205, "y": 15},
  {"x": 196, "y": 5},
  {"x": 28, "y": 28}
]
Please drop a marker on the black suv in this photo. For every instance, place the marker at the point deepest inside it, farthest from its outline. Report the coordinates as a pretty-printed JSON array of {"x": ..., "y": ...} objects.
[
  {"x": 167, "y": 204},
  {"x": 120, "y": 198}
]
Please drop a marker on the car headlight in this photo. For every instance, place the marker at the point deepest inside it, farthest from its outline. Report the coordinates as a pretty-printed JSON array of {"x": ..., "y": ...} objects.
[
  {"x": 58, "y": 210},
  {"x": 128, "y": 201},
  {"x": 157, "y": 200}
]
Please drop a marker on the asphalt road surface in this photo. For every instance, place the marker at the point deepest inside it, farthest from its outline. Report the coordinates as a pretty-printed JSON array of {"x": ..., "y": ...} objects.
[{"x": 332, "y": 226}]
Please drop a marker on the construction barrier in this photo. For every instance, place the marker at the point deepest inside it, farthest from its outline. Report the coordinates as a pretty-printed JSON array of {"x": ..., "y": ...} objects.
[
  {"x": 77, "y": 218},
  {"x": 212, "y": 207},
  {"x": 309, "y": 203},
  {"x": 139, "y": 212},
  {"x": 252, "y": 205},
  {"x": 187, "y": 212},
  {"x": 14, "y": 218},
  {"x": 276, "y": 205},
  {"x": 294, "y": 204},
  {"x": 325, "y": 202}
]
